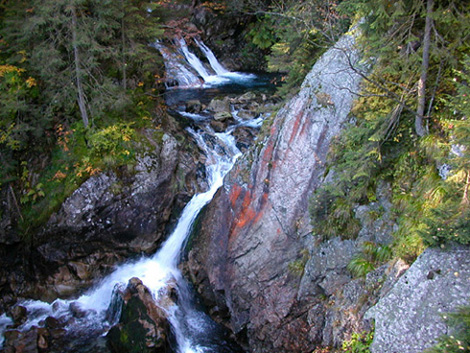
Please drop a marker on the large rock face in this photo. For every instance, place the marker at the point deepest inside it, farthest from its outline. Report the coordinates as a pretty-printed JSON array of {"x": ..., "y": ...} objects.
[
  {"x": 262, "y": 273},
  {"x": 409, "y": 318},
  {"x": 255, "y": 228}
]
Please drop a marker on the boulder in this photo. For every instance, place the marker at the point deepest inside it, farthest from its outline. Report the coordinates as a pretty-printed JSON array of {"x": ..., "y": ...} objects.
[
  {"x": 218, "y": 126},
  {"x": 410, "y": 317},
  {"x": 23, "y": 342},
  {"x": 19, "y": 315},
  {"x": 218, "y": 105},
  {"x": 142, "y": 326},
  {"x": 194, "y": 106}
]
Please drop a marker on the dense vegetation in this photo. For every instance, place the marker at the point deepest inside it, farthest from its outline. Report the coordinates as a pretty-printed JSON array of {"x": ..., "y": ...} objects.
[
  {"x": 76, "y": 81},
  {"x": 293, "y": 33},
  {"x": 410, "y": 129}
]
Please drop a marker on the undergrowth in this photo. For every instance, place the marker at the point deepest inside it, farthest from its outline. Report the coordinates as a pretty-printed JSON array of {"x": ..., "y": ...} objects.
[{"x": 79, "y": 153}]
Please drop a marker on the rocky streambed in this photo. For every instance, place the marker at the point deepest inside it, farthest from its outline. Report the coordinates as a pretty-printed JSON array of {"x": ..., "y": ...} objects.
[{"x": 116, "y": 216}]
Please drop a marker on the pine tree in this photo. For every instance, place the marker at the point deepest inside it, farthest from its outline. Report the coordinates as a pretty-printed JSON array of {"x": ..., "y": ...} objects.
[{"x": 77, "y": 49}]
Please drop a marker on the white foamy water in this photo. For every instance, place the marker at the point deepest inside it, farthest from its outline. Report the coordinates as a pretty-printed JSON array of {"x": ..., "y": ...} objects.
[
  {"x": 192, "y": 72},
  {"x": 188, "y": 324},
  {"x": 156, "y": 271}
]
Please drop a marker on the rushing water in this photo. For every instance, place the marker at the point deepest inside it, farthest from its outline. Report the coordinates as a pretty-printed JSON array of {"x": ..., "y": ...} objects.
[
  {"x": 187, "y": 70},
  {"x": 192, "y": 329}
]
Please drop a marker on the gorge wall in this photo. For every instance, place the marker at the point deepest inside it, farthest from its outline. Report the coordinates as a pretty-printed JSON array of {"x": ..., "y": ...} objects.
[
  {"x": 258, "y": 224},
  {"x": 278, "y": 287}
]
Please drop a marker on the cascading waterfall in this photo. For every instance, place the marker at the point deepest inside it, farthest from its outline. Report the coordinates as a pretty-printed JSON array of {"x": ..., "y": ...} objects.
[
  {"x": 193, "y": 60},
  {"x": 188, "y": 70},
  {"x": 176, "y": 69},
  {"x": 190, "y": 327},
  {"x": 157, "y": 271},
  {"x": 218, "y": 68}
]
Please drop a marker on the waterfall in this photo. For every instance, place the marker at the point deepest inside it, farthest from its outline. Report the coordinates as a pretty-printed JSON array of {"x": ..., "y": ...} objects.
[
  {"x": 193, "y": 60},
  {"x": 216, "y": 66},
  {"x": 176, "y": 68},
  {"x": 187, "y": 69},
  {"x": 192, "y": 329},
  {"x": 157, "y": 271}
]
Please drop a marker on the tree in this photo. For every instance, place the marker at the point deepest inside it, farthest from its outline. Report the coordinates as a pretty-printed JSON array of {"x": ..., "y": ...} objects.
[
  {"x": 411, "y": 121},
  {"x": 72, "y": 73},
  {"x": 77, "y": 49},
  {"x": 78, "y": 70},
  {"x": 424, "y": 70},
  {"x": 409, "y": 37},
  {"x": 296, "y": 33}
]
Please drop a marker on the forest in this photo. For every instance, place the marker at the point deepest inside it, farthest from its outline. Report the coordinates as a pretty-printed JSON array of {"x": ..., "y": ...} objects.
[{"x": 80, "y": 80}]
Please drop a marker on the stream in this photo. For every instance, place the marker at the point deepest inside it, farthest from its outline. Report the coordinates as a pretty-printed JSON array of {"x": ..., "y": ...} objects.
[{"x": 192, "y": 330}]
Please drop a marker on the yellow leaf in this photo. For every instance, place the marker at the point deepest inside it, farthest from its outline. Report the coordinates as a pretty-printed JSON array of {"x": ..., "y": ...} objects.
[{"x": 31, "y": 82}]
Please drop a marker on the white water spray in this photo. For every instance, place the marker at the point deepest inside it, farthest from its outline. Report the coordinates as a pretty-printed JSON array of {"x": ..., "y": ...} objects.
[
  {"x": 218, "y": 68},
  {"x": 189, "y": 71}
]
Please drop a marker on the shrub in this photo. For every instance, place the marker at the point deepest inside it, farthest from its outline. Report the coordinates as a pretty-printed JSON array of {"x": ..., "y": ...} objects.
[
  {"x": 359, "y": 342},
  {"x": 369, "y": 258},
  {"x": 459, "y": 341}
]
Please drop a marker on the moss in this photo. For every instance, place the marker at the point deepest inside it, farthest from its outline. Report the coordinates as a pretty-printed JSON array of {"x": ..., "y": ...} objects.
[
  {"x": 297, "y": 267},
  {"x": 359, "y": 343}
]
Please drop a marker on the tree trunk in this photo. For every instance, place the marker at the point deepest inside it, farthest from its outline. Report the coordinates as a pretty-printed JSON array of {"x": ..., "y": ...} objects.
[
  {"x": 81, "y": 95},
  {"x": 419, "y": 127},
  {"x": 465, "y": 200},
  {"x": 123, "y": 43}
]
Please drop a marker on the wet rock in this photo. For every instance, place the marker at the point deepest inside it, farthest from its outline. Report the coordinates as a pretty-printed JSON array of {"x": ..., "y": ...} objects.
[
  {"x": 218, "y": 126},
  {"x": 194, "y": 106},
  {"x": 220, "y": 105},
  {"x": 76, "y": 310},
  {"x": 410, "y": 317},
  {"x": 22, "y": 342},
  {"x": 52, "y": 323},
  {"x": 246, "y": 114},
  {"x": 223, "y": 116},
  {"x": 43, "y": 339},
  {"x": 244, "y": 137},
  {"x": 19, "y": 315},
  {"x": 142, "y": 326},
  {"x": 246, "y": 97}
]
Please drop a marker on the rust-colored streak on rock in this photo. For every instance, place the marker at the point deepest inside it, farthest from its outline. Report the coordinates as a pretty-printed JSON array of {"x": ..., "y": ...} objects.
[
  {"x": 268, "y": 152},
  {"x": 295, "y": 128},
  {"x": 246, "y": 214},
  {"x": 235, "y": 194}
]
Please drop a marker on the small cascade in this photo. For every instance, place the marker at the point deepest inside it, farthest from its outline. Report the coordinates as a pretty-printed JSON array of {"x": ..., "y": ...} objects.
[
  {"x": 178, "y": 69},
  {"x": 216, "y": 66},
  {"x": 193, "y": 60},
  {"x": 188, "y": 70}
]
